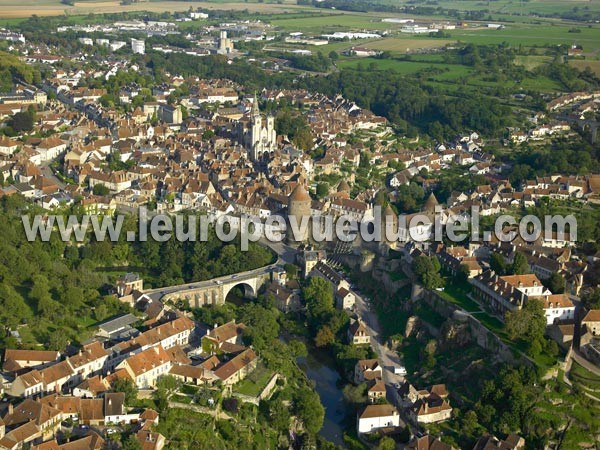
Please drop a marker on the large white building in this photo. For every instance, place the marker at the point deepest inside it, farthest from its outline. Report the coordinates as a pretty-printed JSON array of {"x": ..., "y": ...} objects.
[
  {"x": 225, "y": 44},
  {"x": 511, "y": 292},
  {"x": 147, "y": 367},
  {"x": 138, "y": 46}
]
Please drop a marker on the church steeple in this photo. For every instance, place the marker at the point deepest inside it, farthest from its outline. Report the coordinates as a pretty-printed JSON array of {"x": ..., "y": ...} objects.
[{"x": 255, "y": 108}]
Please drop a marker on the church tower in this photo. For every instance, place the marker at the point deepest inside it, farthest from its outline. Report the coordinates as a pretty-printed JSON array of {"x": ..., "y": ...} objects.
[{"x": 262, "y": 137}]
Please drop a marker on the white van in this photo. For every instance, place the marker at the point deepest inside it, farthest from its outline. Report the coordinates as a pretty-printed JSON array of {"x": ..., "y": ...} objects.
[{"x": 400, "y": 370}]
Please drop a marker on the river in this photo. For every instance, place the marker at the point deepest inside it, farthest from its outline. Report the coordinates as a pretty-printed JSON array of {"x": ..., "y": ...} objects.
[{"x": 318, "y": 367}]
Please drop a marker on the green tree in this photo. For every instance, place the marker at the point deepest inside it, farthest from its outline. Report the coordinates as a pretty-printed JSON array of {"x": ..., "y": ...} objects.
[
  {"x": 527, "y": 323},
  {"x": 308, "y": 408},
  {"x": 520, "y": 266},
  {"x": 427, "y": 270},
  {"x": 498, "y": 263},
  {"x": 324, "y": 337},
  {"x": 591, "y": 300},
  {"x": 127, "y": 387},
  {"x": 469, "y": 423},
  {"x": 22, "y": 121},
  {"x": 132, "y": 443},
  {"x": 318, "y": 295},
  {"x": 556, "y": 283},
  {"x": 322, "y": 189},
  {"x": 276, "y": 414},
  {"x": 297, "y": 348},
  {"x": 355, "y": 395},
  {"x": 58, "y": 340},
  {"x": 100, "y": 189},
  {"x": 386, "y": 443},
  {"x": 262, "y": 325},
  {"x": 291, "y": 270},
  {"x": 168, "y": 384}
]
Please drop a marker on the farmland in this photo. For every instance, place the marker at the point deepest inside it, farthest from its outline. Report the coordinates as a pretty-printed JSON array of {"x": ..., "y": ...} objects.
[
  {"x": 15, "y": 9},
  {"x": 582, "y": 64}
]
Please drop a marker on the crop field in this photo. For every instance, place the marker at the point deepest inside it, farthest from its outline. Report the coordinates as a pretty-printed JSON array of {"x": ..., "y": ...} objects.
[
  {"x": 25, "y": 8},
  {"x": 581, "y": 64}
]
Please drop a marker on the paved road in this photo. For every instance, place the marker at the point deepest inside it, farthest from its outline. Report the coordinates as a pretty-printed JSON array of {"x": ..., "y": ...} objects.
[
  {"x": 387, "y": 357},
  {"x": 48, "y": 173},
  {"x": 285, "y": 253},
  {"x": 577, "y": 356}
]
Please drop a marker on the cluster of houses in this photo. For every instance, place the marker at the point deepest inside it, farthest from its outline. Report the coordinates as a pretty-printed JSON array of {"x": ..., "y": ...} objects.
[
  {"x": 419, "y": 406},
  {"x": 207, "y": 161},
  {"x": 501, "y": 293},
  {"x": 46, "y": 388},
  {"x": 540, "y": 132}
]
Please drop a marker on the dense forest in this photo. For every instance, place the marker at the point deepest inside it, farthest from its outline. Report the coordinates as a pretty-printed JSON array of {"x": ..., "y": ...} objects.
[{"x": 52, "y": 292}]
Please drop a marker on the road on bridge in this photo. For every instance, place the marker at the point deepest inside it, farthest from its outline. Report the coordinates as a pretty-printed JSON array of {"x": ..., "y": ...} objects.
[{"x": 157, "y": 294}]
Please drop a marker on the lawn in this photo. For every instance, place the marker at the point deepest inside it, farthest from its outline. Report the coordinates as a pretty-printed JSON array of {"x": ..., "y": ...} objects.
[
  {"x": 457, "y": 293},
  {"x": 255, "y": 382},
  {"x": 581, "y": 375}
]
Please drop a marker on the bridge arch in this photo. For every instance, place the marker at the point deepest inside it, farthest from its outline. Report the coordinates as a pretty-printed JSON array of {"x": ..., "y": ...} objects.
[{"x": 246, "y": 286}]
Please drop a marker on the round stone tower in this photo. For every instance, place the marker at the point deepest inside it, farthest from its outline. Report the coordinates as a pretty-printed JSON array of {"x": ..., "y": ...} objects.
[{"x": 299, "y": 206}]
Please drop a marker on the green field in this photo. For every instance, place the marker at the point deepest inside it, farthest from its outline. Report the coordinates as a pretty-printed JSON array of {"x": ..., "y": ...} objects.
[
  {"x": 406, "y": 44},
  {"x": 331, "y": 23},
  {"x": 532, "y": 62},
  {"x": 526, "y": 8},
  {"x": 533, "y": 35}
]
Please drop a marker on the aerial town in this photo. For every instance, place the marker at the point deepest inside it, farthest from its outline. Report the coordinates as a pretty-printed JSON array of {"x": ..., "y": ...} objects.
[{"x": 411, "y": 343}]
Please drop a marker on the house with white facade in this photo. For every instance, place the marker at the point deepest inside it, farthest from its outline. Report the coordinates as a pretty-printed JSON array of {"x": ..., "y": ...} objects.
[{"x": 374, "y": 417}]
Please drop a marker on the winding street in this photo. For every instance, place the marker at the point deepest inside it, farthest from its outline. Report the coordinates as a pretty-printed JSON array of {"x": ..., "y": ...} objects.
[{"x": 387, "y": 357}]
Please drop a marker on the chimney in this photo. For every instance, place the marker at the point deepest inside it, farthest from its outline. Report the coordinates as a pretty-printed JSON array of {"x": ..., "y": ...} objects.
[
  {"x": 10, "y": 408},
  {"x": 156, "y": 350}
]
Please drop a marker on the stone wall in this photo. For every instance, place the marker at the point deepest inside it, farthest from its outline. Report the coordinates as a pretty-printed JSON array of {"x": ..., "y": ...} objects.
[
  {"x": 266, "y": 392},
  {"x": 485, "y": 338}
]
